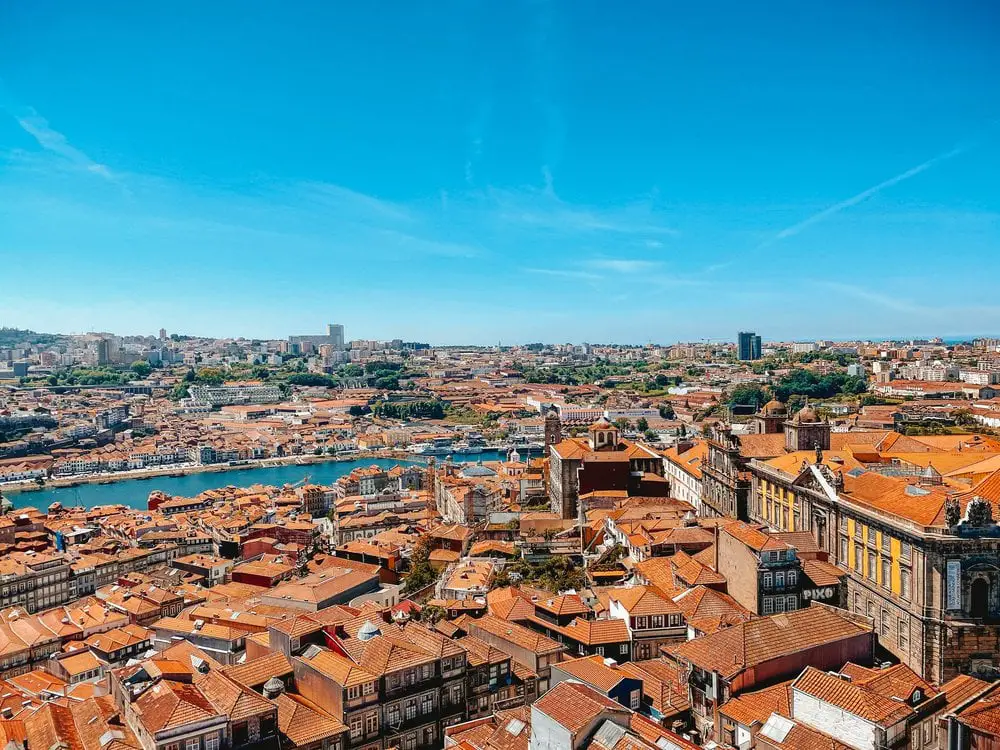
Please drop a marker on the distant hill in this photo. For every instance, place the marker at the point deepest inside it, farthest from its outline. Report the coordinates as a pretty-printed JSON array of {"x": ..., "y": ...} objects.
[{"x": 18, "y": 337}]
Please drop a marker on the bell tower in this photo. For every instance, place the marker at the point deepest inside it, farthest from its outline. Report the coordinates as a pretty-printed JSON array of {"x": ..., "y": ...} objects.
[
  {"x": 603, "y": 436},
  {"x": 553, "y": 428}
]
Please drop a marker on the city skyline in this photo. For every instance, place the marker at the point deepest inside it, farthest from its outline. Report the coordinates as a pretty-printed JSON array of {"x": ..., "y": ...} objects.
[{"x": 468, "y": 174}]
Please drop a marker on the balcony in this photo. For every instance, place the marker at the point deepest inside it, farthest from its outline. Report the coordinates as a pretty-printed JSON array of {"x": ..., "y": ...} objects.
[{"x": 409, "y": 688}]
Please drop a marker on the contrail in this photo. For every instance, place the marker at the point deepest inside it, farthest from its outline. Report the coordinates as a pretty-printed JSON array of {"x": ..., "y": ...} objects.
[{"x": 862, "y": 196}]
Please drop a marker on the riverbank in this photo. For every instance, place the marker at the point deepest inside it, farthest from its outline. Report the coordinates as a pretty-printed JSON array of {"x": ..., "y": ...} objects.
[
  {"x": 180, "y": 470},
  {"x": 134, "y": 493}
]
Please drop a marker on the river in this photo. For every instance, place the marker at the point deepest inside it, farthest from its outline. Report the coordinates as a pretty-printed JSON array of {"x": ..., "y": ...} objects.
[{"x": 134, "y": 492}]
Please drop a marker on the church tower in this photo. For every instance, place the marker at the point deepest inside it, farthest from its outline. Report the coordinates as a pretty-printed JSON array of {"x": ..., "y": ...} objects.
[
  {"x": 806, "y": 431},
  {"x": 603, "y": 436},
  {"x": 553, "y": 429},
  {"x": 770, "y": 419}
]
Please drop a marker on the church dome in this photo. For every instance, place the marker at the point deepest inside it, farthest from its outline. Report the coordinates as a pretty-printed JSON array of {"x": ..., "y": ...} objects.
[
  {"x": 774, "y": 408},
  {"x": 806, "y": 414},
  {"x": 368, "y": 631},
  {"x": 602, "y": 424}
]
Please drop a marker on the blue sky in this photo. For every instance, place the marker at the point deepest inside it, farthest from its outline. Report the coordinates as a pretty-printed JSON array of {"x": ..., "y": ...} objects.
[{"x": 475, "y": 171}]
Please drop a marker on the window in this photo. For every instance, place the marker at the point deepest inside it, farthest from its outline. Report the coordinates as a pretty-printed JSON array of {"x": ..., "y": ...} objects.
[
  {"x": 768, "y": 605},
  {"x": 885, "y": 542},
  {"x": 392, "y": 715},
  {"x": 790, "y": 604},
  {"x": 768, "y": 580},
  {"x": 369, "y": 688},
  {"x": 844, "y": 544},
  {"x": 871, "y": 535},
  {"x": 779, "y": 579},
  {"x": 640, "y": 622},
  {"x": 212, "y": 742},
  {"x": 623, "y": 649},
  {"x": 635, "y": 700},
  {"x": 426, "y": 704},
  {"x": 371, "y": 723},
  {"x": 905, "y": 551},
  {"x": 779, "y": 604},
  {"x": 885, "y": 622},
  {"x": 904, "y": 583},
  {"x": 355, "y": 725},
  {"x": 456, "y": 693},
  {"x": 886, "y": 577},
  {"x": 193, "y": 743},
  {"x": 857, "y": 530},
  {"x": 859, "y": 558},
  {"x": 857, "y": 603},
  {"x": 792, "y": 577},
  {"x": 871, "y": 567},
  {"x": 353, "y": 692},
  {"x": 657, "y": 621},
  {"x": 410, "y": 710},
  {"x": 600, "y": 650},
  {"x": 903, "y": 636},
  {"x": 871, "y": 609}
]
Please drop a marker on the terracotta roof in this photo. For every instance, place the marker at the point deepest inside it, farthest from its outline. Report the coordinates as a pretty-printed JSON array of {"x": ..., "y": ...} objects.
[
  {"x": 574, "y": 705},
  {"x": 236, "y": 701},
  {"x": 755, "y": 707},
  {"x": 567, "y": 604},
  {"x": 305, "y": 723},
  {"x": 754, "y": 537},
  {"x": 259, "y": 671},
  {"x": 743, "y": 645},
  {"x": 593, "y": 671},
  {"x": 171, "y": 704},
  {"x": 516, "y": 634},
  {"x": 644, "y": 600},
  {"x": 340, "y": 669},
  {"x": 959, "y": 689},
  {"x": 852, "y": 698},
  {"x": 662, "y": 683},
  {"x": 823, "y": 573}
]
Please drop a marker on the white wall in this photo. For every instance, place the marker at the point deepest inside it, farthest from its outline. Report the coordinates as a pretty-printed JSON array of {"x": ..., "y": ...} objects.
[
  {"x": 547, "y": 734},
  {"x": 846, "y": 727}
]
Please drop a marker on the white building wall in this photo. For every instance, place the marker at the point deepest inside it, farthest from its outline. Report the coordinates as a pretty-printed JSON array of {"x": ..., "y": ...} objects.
[
  {"x": 547, "y": 734},
  {"x": 846, "y": 727}
]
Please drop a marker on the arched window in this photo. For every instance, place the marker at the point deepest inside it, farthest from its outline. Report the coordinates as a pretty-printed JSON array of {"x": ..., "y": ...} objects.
[{"x": 979, "y": 598}]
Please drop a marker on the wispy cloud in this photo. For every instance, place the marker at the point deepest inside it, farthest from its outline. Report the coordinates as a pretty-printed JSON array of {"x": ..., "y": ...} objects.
[
  {"x": 864, "y": 195},
  {"x": 564, "y": 273},
  {"x": 881, "y": 299},
  {"x": 49, "y": 138},
  {"x": 544, "y": 209},
  {"x": 622, "y": 265}
]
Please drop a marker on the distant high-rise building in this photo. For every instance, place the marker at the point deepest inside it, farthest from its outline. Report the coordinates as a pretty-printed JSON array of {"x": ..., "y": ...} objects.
[
  {"x": 336, "y": 333},
  {"x": 334, "y": 337},
  {"x": 163, "y": 334},
  {"x": 103, "y": 351},
  {"x": 748, "y": 346}
]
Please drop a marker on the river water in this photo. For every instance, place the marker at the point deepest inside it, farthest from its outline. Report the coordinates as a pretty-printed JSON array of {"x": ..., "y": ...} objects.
[{"x": 135, "y": 492}]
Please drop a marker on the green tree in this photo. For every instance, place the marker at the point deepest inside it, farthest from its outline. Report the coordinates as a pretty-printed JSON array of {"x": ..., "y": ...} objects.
[
  {"x": 666, "y": 411},
  {"x": 142, "y": 369},
  {"x": 641, "y": 424},
  {"x": 422, "y": 573},
  {"x": 210, "y": 376},
  {"x": 748, "y": 394}
]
